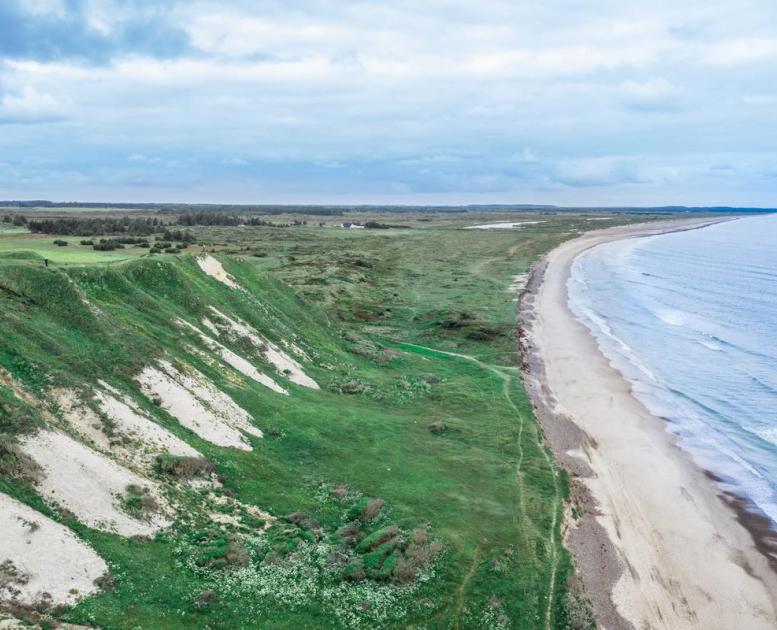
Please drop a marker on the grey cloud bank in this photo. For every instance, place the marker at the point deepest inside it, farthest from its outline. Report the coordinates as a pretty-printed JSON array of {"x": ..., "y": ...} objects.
[{"x": 570, "y": 103}]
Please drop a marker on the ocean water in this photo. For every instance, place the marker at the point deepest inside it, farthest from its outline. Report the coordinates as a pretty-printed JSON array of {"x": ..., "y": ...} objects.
[{"x": 690, "y": 319}]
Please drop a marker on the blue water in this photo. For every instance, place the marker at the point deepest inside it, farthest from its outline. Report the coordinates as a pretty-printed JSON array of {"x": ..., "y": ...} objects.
[{"x": 690, "y": 318}]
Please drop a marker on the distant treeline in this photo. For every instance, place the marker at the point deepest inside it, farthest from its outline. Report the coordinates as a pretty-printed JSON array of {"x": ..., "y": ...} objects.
[
  {"x": 94, "y": 227},
  {"x": 218, "y": 218},
  {"x": 334, "y": 210},
  {"x": 180, "y": 208}
]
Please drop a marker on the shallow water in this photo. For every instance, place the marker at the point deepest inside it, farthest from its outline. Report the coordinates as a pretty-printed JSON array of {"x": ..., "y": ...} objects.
[{"x": 690, "y": 319}]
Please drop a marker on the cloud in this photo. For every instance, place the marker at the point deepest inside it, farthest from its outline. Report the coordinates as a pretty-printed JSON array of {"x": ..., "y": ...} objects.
[
  {"x": 443, "y": 100},
  {"x": 742, "y": 51},
  {"x": 29, "y": 106},
  {"x": 51, "y": 31},
  {"x": 656, "y": 94}
]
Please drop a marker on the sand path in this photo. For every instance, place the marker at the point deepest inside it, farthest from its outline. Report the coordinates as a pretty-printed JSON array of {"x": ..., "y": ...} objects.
[{"x": 682, "y": 558}]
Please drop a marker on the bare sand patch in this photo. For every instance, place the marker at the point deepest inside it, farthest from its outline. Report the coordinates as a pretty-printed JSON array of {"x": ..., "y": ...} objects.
[
  {"x": 126, "y": 433},
  {"x": 517, "y": 284},
  {"x": 210, "y": 326},
  {"x": 236, "y": 361},
  {"x": 89, "y": 484},
  {"x": 295, "y": 349},
  {"x": 216, "y": 270},
  {"x": 271, "y": 353},
  {"x": 131, "y": 422},
  {"x": 238, "y": 506},
  {"x": 47, "y": 558},
  {"x": 199, "y": 405}
]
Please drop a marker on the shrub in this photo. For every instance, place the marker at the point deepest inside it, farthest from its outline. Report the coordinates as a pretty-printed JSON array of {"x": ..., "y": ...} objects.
[
  {"x": 340, "y": 491},
  {"x": 217, "y": 550},
  {"x": 138, "y": 501},
  {"x": 106, "y": 582},
  {"x": 405, "y": 571},
  {"x": 205, "y": 599},
  {"x": 350, "y": 531},
  {"x": 60, "y": 243},
  {"x": 183, "y": 467},
  {"x": 87, "y": 242},
  {"x": 438, "y": 428},
  {"x": 378, "y": 538},
  {"x": 16, "y": 464},
  {"x": 579, "y": 613}
]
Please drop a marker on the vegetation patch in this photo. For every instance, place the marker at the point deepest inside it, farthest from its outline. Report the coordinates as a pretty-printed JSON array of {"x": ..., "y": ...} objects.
[{"x": 183, "y": 468}]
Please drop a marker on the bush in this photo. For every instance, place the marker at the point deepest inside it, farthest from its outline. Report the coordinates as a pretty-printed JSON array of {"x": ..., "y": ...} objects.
[
  {"x": 205, "y": 599},
  {"x": 138, "y": 501},
  {"x": 371, "y": 510},
  {"x": 183, "y": 467},
  {"x": 438, "y": 428},
  {"x": 87, "y": 242},
  {"x": 60, "y": 243},
  {"x": 579, "y": 613},
  {"x": 377, "y": 538},
  {"x": 16, "y": 464},
  {"x": 217, "y": 550}
]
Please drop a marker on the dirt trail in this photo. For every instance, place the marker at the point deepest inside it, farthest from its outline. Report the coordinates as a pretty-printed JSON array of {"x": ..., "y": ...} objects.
[{"x": 503, "y": 373}]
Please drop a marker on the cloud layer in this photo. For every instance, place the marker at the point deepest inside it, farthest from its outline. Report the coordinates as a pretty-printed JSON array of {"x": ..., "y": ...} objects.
[{"x": 371, "y": 101}]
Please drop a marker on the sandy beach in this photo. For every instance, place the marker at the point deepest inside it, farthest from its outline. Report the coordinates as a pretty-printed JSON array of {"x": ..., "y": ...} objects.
[{"x": 657, "y": 545}]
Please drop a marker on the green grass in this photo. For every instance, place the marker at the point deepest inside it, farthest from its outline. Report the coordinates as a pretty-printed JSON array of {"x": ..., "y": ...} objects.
[
  {"x": 370, "y": 308},
  {"x": 43, "y": 247}
]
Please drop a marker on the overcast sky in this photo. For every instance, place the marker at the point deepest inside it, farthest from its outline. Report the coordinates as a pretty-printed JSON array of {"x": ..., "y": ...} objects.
[{"x": 561, "y": 101}]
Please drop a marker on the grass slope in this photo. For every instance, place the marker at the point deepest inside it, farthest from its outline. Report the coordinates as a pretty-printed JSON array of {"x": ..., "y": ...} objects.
[{"x": 421, "y": 405}]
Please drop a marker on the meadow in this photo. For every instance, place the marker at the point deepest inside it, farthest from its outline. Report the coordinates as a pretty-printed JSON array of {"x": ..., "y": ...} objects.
[{"x": 410, "y": 332}]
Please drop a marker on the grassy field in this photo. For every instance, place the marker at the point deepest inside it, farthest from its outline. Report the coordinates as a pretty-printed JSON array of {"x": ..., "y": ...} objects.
[
  {"x": 16, "y": 242},
  {"x": 411, "y": 335}
]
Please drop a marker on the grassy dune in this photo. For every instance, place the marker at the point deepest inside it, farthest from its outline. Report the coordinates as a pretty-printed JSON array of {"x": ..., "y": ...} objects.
[{"x": 411, "y": 336}]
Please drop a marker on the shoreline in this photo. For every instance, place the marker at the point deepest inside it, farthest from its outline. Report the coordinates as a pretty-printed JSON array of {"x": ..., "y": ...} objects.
[{"x": 658, "y": 544}]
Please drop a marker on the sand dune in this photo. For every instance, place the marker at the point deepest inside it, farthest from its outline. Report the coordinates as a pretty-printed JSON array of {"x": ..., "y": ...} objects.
[
  {"x": 38, "y": 555},
  {"x": 89, "y": 484},
  {"x": 282, "y": 361},
  {"x": 138, "y": 427},
  {"x": 199, "y": 405},
  {"x": 236, "y": 361},
  {"x": 216, "y": 270}
]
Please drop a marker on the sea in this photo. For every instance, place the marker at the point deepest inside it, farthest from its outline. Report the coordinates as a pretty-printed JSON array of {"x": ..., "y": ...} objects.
[{"x": 690, "y": 319}]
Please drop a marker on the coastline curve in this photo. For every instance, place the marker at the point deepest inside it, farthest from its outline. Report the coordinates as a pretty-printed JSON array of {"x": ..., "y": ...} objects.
[{"x": 656, "y": 542}]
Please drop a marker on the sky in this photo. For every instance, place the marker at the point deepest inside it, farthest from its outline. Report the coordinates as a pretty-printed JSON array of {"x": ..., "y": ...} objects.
[{"x": 569, "y": 102}]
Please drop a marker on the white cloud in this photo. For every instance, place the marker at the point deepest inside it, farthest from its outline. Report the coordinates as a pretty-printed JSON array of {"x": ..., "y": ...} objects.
[
  {"x": 741, "y": 51},
  {"x": 651, "y": 94},
  {"x": 386, "y": 98},
  {"x": 30, "y": 105}
]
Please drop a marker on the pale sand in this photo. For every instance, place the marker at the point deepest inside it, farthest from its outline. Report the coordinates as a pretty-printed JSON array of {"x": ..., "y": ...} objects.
[
  {"x": 234, "y": 359},
  {"x": 271, "y": 353},
  {"x": 216, "y": 270},
  {"x": 47, "y": 557},
  {"x": 676, "y": 557},
  {"x": 148, "y": 439},
  {"x": 199, "y": 405},
  {"x": 89, "y": 484}
]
